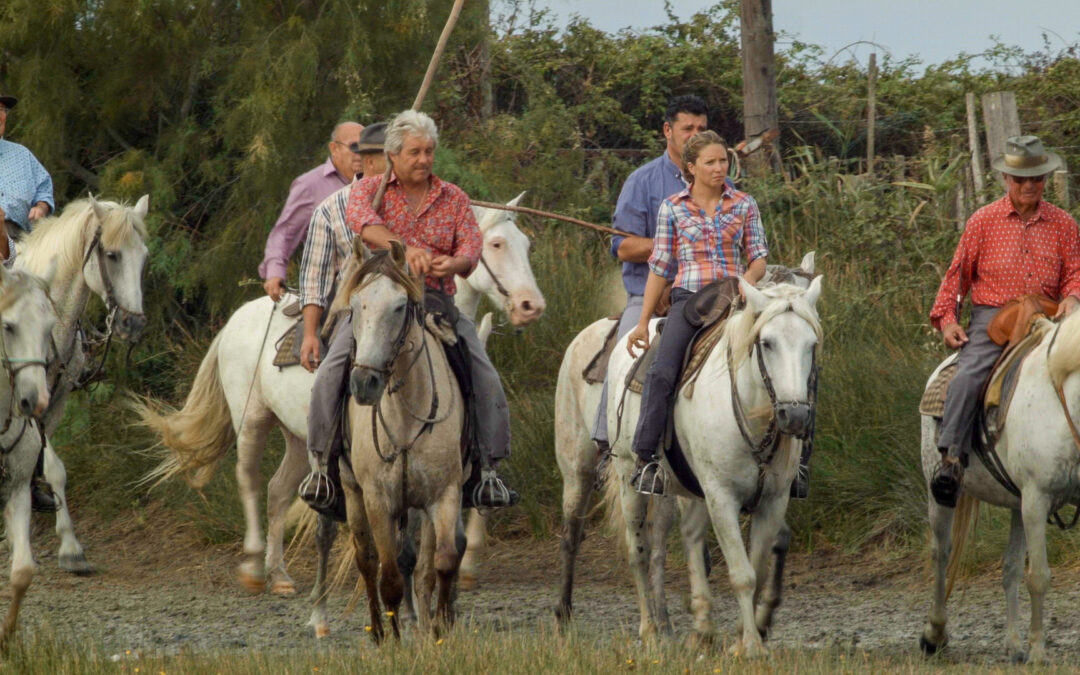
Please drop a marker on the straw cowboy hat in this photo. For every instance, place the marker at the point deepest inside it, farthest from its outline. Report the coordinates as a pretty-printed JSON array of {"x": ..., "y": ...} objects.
[{"x": 1025, "y": 156}]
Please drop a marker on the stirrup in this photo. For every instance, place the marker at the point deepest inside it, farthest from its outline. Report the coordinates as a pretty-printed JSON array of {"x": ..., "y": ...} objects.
[
  {"x": 654, "y": 485},
  {"x": 494, "y": 489},
  {"x": 320, "y": 495}
]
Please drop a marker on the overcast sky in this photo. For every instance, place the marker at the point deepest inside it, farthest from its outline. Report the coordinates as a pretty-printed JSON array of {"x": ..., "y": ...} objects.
[{"x": 934, "y": 30}]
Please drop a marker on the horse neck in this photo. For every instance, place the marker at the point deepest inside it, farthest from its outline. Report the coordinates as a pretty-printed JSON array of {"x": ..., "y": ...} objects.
[
  {"x": 467, "y": 298},
  {"x": 411, "y": 368},
  {"x": 71, "y": 295}
]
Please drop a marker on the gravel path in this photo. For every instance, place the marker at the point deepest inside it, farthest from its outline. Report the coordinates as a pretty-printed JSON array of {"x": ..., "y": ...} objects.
[{"x": 152, "y": 593}]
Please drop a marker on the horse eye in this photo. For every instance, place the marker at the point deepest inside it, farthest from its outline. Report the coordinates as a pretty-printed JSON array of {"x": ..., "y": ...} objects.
[
  {"x": 766, "y": 345},
  {"x": 496, "y": 244},
  {"x": 9, "y": 327},
  {"x": 112, "y": 255}
]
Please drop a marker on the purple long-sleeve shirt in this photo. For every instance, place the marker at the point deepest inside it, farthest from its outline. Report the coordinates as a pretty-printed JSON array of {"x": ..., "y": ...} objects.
[{"x": 306, "y": 192}]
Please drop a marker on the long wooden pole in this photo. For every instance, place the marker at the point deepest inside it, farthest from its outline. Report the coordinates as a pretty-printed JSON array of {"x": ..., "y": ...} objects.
[
  {"x": 554, "y": 216},
  {"x": 433, "y": 65},
  {"x": 871, "y": 112}
]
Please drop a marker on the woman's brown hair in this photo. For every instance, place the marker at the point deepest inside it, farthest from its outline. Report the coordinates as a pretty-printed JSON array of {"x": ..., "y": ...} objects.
[{"x": 693, "y": 148}]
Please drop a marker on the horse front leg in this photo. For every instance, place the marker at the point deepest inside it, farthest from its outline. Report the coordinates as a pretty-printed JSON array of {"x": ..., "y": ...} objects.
[
  {"x": 445, "y": 517},
  {"x": 365, "y": 555},
  {"x": 17, "y": 524},
  {"x": 70, "y": 555},
  {"x": 250, "y": 442},
  {"x": 725, "y": 518},
  {"x": 423, "y": 570},
  {"x": 694, "y": 527},
  {"x": 475, "y": 536},
  {"x": 770, "y": 539},
  {"x": 324, "y": 541},
  {"x": 660, "y": 522},
  {"x": 1035, "y": 507},
  {"x": 1012, "y": 571},
  {"x": 934, "y": 636},
  {"x": 381, "y": 523},
  {"x": 635, "y": 513},
  {"x": 408, "y": 563},
  {"x": 577, "y": 489},
  {"x": 280, "y": 494}
]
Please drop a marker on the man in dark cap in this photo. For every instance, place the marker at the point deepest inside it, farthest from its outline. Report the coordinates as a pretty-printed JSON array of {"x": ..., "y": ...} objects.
[
  {"x": 1017, "y": 245},
  {"x": 26, "y": 189},
  {"x": 328, "y": 246}
]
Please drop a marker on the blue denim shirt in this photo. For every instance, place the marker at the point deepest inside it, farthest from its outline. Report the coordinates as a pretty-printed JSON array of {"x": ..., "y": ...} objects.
[{"x": 23, "y": 183}]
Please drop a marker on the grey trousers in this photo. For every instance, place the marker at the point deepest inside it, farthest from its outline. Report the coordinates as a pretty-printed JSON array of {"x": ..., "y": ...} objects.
[
  {"x": 627, "y": 321},
  {"x": 662, "y": 376},
  {"x": 331, "y": 387},
  {"x": 975, "y": 362}
]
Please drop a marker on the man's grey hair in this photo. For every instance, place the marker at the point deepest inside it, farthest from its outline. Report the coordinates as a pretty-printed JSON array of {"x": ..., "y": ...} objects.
[{"x": 409, "y": 123}]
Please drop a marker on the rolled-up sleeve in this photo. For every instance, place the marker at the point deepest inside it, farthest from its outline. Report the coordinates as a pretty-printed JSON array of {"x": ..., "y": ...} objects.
[
  {"x": 662, "y": 260},
  {"x": 957, "y": 280},
  {"x": 754, "y": 242},
  {"x": 43, "y": 191},
  {"x": 631, "y": 212}
]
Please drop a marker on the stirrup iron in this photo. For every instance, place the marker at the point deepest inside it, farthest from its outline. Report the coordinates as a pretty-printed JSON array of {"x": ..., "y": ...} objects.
[
  {"x": 650, "y": 488},
  {"x": 490, "y": 481}
]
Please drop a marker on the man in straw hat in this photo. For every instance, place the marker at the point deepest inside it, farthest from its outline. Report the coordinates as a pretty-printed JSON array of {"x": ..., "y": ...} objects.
[{"x": 1017, "y": 245}]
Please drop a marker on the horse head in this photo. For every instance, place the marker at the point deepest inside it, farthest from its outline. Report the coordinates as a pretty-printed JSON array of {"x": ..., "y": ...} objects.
[
  {"x": 781, "y": 324},
  {"x": 504, "y": 274},
  {"x": 113, "y": 258},
  {"x": 385, "y": 300},
  {"x": 27, "y": 317}
]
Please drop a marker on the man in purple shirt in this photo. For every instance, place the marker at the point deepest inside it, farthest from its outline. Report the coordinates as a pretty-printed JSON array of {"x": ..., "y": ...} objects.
[
  {"x": 636, "y": 212},
  {"x": 308, "y": 191}
]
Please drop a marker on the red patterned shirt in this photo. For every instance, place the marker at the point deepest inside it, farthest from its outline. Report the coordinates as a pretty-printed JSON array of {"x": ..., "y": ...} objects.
[
  {"x": 1001, "y": 257},
  {"x": 444, "y": 224}
]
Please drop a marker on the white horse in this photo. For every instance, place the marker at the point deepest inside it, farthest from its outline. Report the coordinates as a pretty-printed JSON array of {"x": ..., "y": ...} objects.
[
  {"x": 239, "y": 395},
  {"x": 1040, "y": 451},
  {"x": 99, "y": 248},
  {"x": 764, "y": 363},
  {"x": 27, "y": 318}
]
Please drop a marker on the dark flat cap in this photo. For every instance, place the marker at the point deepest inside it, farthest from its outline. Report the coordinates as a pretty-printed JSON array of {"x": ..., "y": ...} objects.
[
  {"x": 8, "y": 101},
  {"x": 372, "y": 138}
]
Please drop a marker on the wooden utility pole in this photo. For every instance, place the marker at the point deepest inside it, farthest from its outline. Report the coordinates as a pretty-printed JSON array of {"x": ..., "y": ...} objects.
[
  {"x": 759, "y": 80},
  {"x": 978, "y": 173},
  {"x": 1002, "y": 120},
  {"x": 871, "y": 112},
  {"x": 1061, "y": 185}
]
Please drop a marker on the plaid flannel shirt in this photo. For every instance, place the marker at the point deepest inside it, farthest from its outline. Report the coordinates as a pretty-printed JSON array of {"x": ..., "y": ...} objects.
[{"x": 328, "y": 246}]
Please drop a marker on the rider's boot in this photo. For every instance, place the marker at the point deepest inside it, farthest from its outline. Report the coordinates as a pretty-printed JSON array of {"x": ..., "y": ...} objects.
[
  {"x": 949, "y": 476},
  {"x": 42, "y": 497}
]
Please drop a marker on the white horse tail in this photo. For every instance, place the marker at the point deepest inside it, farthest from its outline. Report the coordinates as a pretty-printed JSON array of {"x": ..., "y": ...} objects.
[
  {"x": 196, "y": 436},
  {"x": 612, "y": 503},
  {"x": 964, "y": 518}
]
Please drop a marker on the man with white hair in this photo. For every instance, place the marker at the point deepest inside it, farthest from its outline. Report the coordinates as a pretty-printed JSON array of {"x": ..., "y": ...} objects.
[{"x": 434, "y": 221}]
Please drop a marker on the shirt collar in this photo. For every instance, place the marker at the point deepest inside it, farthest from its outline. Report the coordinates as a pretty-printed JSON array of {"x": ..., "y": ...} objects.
[
  {"x": 437, "y": 186},
  {"x": 329, "y": 169},
  {"x": 671, "y": 167},
  {"x": 684, "y": 195},
  {"x": 1010, "y": 209}
]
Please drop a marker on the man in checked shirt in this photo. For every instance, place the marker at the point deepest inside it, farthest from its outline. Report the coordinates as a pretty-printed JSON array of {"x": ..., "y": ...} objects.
[{"x": 1016, "y": 245}]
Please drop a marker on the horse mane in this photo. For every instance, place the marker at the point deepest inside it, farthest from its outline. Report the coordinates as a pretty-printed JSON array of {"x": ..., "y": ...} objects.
[
  {"x": 742, "y": 329},
  {"x": 380, "y": 263},
  {"x": 66, "y": 235},
  {"x": 1064, "y": 358},
  {"x": 16, "y": 284}
]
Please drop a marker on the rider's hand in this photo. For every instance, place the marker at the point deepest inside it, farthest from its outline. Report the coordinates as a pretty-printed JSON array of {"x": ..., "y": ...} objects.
[
  {"x": 444, "y": 266},
  {"x": 309, "y": 353},
  {"x": 419, "y": 260},
  {"x": 639, "y": 338},
  {"x": 1067, "y": 306},
  {"x": 274, "y": 287},
  {"x": 954, "y": 335},
  {"x": 37, "y": 211}
]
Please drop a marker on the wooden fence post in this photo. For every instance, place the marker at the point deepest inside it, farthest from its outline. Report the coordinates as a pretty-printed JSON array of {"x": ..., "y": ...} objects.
[
  {"x": 1061, "y": 185},
  {"x": 978, "y": 173},
  {"x": 1002, "y": 121},
  {"x": 871, "y": 112}
]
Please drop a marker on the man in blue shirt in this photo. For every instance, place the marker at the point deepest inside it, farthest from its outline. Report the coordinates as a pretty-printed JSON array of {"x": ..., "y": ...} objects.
[
  {"x": 26, "y": 189},
  {"x": 636, "y": 212}
]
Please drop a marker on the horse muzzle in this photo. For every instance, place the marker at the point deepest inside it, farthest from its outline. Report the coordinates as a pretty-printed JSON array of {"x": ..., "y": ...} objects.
[
  {"x": 366, "y": 385},
  {"x": 34, "y": 403},
  {"x": 794, "y": 419},
  {"x": 526, "y": 308},
  {"x": 129, "y": 327}
]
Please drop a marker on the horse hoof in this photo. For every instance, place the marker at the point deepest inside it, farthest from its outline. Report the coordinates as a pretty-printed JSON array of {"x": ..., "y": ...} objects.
[
  {"x": 468, "y": 582},
  {"x": 322, "y": 632},
  {"x": 562, "y": 614},
  {"x": 697, "y": 640},
  {"x": 1019, "y": 657},
  {"x": 930, "y": 648},
  {"x": 76, "y": 564},
  {"x": 252, "y": 583},
  {"x": 283, "y": 588}
]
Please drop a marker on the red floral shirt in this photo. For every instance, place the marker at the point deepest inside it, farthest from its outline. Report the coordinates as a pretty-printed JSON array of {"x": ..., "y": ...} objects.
[
  {"x": 1001, "y": 257},
  {"x": 444, "y": 225}
]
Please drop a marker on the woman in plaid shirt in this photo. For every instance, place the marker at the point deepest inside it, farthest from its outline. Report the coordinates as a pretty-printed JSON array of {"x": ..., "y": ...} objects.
[{"x": 708, "y": 232}]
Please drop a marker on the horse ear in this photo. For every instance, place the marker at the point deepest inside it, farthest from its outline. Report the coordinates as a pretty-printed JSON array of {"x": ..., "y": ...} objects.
[
  {"x": 807, "y": 264},
  {"x": 755, "y": 299},
  {"x": 814, "y": 292},
  {"x": 142, "y": 207},
  {"x": 99, "y": 210},
  {"x": 515, "y": 200},
  {"x": 360, "y": 250},
  {"x": 397, "y": 252}
]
